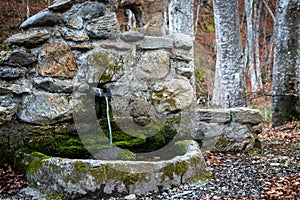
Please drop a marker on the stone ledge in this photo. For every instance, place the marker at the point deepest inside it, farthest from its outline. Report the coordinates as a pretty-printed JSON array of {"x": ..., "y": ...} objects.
[{"x": 75, "y": 177}]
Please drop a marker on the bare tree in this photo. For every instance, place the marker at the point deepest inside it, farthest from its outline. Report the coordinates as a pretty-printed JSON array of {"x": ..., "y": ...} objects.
[
  {"x": 229, "y": 87},
  {"x": 286, "y": 72}
]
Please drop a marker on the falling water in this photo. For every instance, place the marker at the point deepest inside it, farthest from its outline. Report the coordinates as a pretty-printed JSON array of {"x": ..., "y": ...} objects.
[{"x": 108, "y": 121}]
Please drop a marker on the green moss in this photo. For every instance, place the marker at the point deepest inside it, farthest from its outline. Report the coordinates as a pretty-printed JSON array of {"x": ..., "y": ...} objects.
[
  {"x": 178, "y": 168},
  {"x": 181, "y": 147},
  {"x": 107, "y": 65},
  {"x": 35, "y": 161},
  {"x": 125, "y": 154},
  {"x": 222, "y": 142},
  {"x": 57, "y": 196}
]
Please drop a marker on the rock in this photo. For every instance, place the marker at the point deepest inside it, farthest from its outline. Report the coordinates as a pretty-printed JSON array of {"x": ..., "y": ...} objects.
[
  {"x": 53, "y": 85},
  {"x": 207, "y": 131},
  {"x": 9, "y": 73},
  {"x": 213, "y": 115},
  {"x": 45, "y": 108},
  {"x": 28, "y": 39},
  {"x": 153, "y": 65},
  {"x": 82, "y": 47},
  {"x": 57, "y": 60},
  {"x": 132, "y": 36},
  {"x": 44, "y": 18},
  {"x": 61, "y": 6},
  {"x": 152, "y": 43},
  {"x": 82, "y": 177},
  {"x": 182, "y": 41},
  {"x": 8, "y": 109},
  {"x": 220, "y": 130},
  {"x": 74, "y": 21},
  {"x": 103, "y": 27},
  {"x": 91, "y": 9},
  {"x": 235, "y": 138},
  {"x": 246, "y": 116},
  {"x": 75, "y": 36},
  {"x": 103, "y": 67},
  {"x": 15, "y": 87},
  {"x": 119, "y": 46},
  {"x": 130, "y": 197},
  {"x": 176, "y": 94},
  {"x": 18, "y": 58}
]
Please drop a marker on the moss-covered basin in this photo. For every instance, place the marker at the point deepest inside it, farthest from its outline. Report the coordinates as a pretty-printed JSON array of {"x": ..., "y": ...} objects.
[{"x": 79, "y": 177}]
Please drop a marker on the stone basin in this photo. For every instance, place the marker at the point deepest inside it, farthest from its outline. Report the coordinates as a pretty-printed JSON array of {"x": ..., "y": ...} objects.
[{"x": 82, "y": 177}]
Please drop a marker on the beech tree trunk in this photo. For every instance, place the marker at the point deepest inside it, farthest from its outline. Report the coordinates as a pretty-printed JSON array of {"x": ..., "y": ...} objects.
[
  {"x": 286, "y": 72},
  {"x": 181, "y": 17},
  {"x": 229, "y": 87}
]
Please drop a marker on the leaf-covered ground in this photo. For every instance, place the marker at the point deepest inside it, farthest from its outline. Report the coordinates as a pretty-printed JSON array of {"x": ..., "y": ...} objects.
[{"x": 272, "y": 173}]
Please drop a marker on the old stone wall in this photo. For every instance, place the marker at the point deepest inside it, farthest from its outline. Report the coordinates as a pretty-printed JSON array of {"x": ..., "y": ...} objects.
[{"x": 69, "y": 48}]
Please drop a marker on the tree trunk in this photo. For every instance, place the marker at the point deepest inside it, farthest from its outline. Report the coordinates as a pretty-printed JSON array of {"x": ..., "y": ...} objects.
[
  {"x": 257, "y": 11},
  {"x": 229, "y": 88},
  {"x": 181, "y": 17},
  {"x": 286, "y": 72},
  {"x": 249, "y": 54}
]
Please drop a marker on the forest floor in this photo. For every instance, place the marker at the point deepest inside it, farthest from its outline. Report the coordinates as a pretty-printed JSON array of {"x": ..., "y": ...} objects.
[{"x": 270, "y": 173}]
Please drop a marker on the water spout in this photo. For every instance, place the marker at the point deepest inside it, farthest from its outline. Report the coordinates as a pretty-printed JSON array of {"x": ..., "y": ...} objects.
[
  {"x": 105, "y": 93},
  {"x": 108, "y": 121}
]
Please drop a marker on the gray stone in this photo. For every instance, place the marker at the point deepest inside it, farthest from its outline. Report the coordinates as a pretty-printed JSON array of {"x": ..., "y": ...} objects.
[
  {"x": 152, "y": 43},
  {"x": 8, "y": 73},
  {"x": 132, "y": 36},
  {"x": 53, "y": 85},
  {"x": 176, "y": 94},
  {"x": 76, "y": 36},
  {"x": 246, "y": 116},
  {"x": 61, "y": 6},
  {"x": 80, "y": 177},
  {"x": 236, "y": 138},
  {"x": 213, "y": 115},
  {"x": 130, "y": 197},
  {"x": 45, "y": 108},
  {"x": 74, "y": 21},
  {"x": 8, "y": 109},
  {"x": 44, "y": 18},
  {"x": 206, "y": 131},
  {"x": 28, "y": 39},
  {"x": 119, "y": 46},
  {"x": 18, "y": 58},
  {"x": 90, "y": 9},
  {"x": 16, "y": 87},
  {"x": 103, "y": 27},
  {"x": 153, "y": 65},
  {"x": 182, "y": 41}
]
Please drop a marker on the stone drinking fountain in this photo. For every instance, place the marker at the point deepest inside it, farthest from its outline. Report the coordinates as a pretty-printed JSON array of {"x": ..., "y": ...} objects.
[{"x": 88, "y": 108}]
